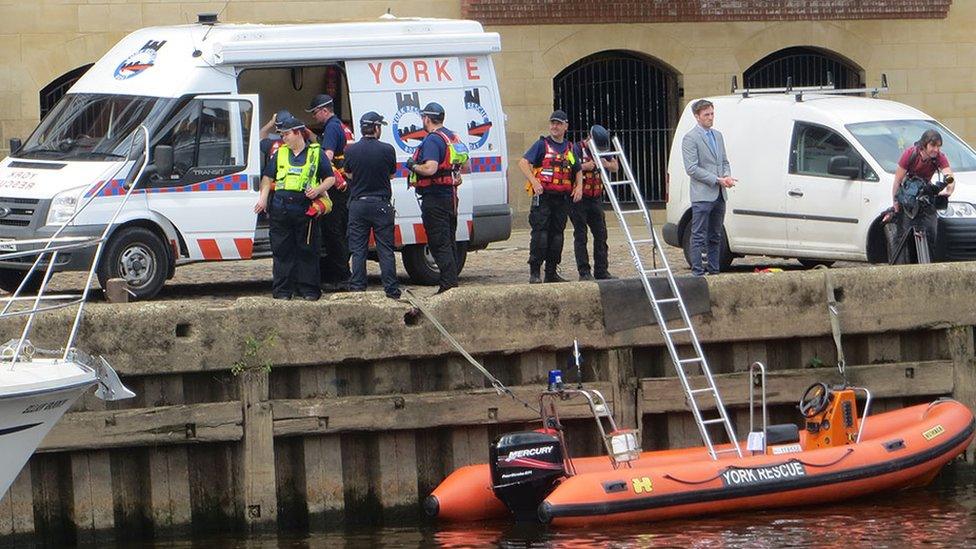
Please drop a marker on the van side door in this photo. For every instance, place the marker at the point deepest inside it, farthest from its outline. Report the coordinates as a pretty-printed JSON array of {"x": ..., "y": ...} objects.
[
  {"x": 210, "y": 196},
  {"x": 823, "y": 204}
]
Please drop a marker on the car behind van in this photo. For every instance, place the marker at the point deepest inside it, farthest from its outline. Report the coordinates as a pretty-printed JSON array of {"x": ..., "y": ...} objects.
[
  {"x": 203, "y": 91},
  {"x": 815, "y": 176}
]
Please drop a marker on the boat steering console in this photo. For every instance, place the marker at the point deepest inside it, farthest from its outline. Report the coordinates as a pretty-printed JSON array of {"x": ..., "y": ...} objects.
[{"x": 831, "y": 415}]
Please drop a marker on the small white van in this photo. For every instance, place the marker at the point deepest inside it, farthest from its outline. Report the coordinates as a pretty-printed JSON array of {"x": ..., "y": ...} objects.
[
  {"x": 203, "y": 91},
  {"x": 815, "y": 175}
]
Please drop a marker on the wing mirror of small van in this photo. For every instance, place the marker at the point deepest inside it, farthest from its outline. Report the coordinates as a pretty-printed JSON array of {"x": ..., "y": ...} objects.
[
  {"x": 163, "y": 161},
  {"x": 841, "y": 165},
  {"x": 15, "y": 144}
]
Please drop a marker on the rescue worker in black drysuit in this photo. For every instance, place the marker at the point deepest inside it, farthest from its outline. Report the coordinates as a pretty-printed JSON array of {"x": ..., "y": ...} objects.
[
  {"x": 436, "y": 183},
  {"x": 916, "y": 199},
  {"x": 371, "y": 165},
  {"x": 299, "y": 174},
  {"x": 335, "y": 264},
  {"x": 588, "y": 212}
]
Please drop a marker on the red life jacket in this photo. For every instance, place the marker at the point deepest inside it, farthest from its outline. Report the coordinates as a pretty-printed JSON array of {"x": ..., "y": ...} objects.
[
  {"x": 445, "y": 170},
  {"x": 592, "y": 184},
  {"x": 555, "y": 171}
]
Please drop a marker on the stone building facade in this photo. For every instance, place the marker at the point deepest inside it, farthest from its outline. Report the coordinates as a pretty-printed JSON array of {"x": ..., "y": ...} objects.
[{"x": 926, "y": 48}]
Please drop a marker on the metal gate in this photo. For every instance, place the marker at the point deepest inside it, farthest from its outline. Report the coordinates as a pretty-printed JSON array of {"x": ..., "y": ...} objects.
[
  {"x": 53, "y": 92},
  {"x": 636, "y": 99},
  {"x": 807, "y": 66}
]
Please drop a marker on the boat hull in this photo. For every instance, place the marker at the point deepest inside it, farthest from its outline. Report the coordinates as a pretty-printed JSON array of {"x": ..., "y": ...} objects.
[
  {"x": 27, "y": 415},
  {"x": 899, "y": 449}
]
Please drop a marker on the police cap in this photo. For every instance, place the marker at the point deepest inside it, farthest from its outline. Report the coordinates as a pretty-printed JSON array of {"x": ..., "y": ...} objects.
[
  {"x": 372, "y": 119},
  {"x": 434, "y": 110},
  {"x": 559, "y": 116},
  {"x": 319, "y": 101},
  {"x": 289, "y": 123}
]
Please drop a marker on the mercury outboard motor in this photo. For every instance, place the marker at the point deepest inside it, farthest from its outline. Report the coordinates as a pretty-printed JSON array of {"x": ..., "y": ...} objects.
[{"x": 524, "y": 469}]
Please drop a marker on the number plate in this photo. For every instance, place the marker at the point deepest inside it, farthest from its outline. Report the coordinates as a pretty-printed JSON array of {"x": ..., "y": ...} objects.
[{"x": 7, "y": 247}]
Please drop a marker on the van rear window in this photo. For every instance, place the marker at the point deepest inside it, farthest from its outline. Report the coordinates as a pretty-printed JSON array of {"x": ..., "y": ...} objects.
[{"x": 885, "y": 140}]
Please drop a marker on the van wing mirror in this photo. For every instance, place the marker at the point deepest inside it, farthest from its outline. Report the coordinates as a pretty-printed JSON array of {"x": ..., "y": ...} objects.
[
  {"x": 841, "y": 165},
  {"x": 15, "y": 144},
  {"x": 163, "y": 161}
]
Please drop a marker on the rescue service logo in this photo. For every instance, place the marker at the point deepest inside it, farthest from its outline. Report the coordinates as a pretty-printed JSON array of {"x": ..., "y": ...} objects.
[
  {"x": 408, "y": 128},
  {"x": 735, "y": 476},
  {"x": 479, "y": 125},
  {"x": 139, "y": 61}
]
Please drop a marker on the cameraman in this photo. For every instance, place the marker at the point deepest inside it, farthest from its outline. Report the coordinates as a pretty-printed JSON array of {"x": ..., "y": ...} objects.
[{"x": 914, "y": 200}]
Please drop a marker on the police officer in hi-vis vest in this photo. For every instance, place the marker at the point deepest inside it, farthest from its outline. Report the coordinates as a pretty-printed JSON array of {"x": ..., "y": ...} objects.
[
  {"x": 299, "y": 173},
  {"x": 335, "y": 264},
  {"x": 436, "y": 183},
  {"x": 553, "y": 171},
  {"x": 588, "y": 212}
]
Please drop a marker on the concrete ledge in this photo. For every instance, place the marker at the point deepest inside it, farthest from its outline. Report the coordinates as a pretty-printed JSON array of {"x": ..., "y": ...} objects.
[{"x": 171, "y": 337}]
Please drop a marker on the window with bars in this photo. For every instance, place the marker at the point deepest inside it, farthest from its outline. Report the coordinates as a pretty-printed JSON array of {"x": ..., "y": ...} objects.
[
  {"x": 53, "y": 92},
  {"x": 806, "y": 66},
  {"x": 636, "y": 99}
]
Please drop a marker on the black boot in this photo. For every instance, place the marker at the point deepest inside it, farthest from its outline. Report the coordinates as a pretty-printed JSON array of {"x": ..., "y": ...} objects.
[
  {"x": 534, "y": 274},
  {"x": 554, "y": 277}
]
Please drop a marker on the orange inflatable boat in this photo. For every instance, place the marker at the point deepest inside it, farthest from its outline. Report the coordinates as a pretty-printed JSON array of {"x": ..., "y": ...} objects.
[{"x": 834, "y": 456}]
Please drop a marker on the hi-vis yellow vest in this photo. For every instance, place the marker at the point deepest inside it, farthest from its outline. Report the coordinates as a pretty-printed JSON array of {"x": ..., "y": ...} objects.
[{"x": 297, "y": 178}]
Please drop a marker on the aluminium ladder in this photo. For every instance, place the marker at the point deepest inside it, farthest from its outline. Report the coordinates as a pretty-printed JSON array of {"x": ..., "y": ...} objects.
[{"x": 683, "y": 325}]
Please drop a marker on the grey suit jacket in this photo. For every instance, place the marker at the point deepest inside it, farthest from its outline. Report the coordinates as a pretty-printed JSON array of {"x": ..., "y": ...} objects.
[{"x": 703, "y": 166}]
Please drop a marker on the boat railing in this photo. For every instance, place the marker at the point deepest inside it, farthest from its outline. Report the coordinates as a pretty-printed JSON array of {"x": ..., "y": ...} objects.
[
  {"x": 46, "y": 251},
  {"x": 867, "y": 409},
  {"x": 760, "y": 369},
  {"x": 622, "y": 445}
]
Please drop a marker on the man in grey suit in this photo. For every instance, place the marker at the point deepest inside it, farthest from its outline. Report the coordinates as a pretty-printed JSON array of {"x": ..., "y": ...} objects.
[{"x": 703, "y": 150}]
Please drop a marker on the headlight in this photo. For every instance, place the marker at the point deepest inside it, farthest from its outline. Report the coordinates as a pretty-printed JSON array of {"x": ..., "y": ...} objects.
[
  {"x": 959, "y": 209},
  {"x": 63, "y": 205}
]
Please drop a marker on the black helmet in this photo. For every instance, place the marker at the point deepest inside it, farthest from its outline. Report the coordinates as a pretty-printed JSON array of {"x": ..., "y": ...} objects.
[{"x": 600, "y": 137}]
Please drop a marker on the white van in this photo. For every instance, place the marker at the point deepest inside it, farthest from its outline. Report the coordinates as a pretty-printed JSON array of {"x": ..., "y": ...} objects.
[
  {"x": 815, "y": 176},
  {"x": 203, "y": 91}
]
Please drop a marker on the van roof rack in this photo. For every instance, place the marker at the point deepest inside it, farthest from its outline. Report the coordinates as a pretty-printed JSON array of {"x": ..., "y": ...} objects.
[{"x": 827, "y": 89}]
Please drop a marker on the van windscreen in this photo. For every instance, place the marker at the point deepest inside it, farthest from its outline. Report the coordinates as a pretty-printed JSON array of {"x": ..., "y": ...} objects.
[
  {"x": 885, "y": 140},
  {"x": 95, "y": 127}
]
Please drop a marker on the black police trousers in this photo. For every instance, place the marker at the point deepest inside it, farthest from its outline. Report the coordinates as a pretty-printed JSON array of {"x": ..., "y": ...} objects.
[
  {"x": 548, "y": 221},
  {"x": 372, "y": 213},
  {"x": 335, "y": 262},
  {"x": 439, "y": 214},
  {"x": 588, "y": 213},
  {"x": 295, "y": 241}
]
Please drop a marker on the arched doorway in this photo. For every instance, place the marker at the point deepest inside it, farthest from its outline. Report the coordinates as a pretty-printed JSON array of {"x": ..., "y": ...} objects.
[
  {"x": 807, "y": 65},
  {"x": 636, "y": 98},
  {"x": 53, "y": 92}
]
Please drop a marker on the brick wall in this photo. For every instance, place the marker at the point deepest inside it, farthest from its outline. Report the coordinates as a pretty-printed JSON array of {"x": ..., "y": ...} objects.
[{"x": 523, "y": 12}]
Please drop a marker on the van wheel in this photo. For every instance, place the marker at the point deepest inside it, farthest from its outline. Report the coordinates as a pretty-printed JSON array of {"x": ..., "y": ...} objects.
[
  {"x": 724, "y": 253},
  {"x": 10, "y": 279},
  {"x": 811, "y": 263},
  {"x": 422, "y": 268},
  {"x": 138, "y": 256}
]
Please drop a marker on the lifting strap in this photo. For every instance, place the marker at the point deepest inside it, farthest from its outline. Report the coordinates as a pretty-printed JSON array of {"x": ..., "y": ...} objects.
[
  {"x": 495, "y": 382},
  {"x": 833, "y": 313}
]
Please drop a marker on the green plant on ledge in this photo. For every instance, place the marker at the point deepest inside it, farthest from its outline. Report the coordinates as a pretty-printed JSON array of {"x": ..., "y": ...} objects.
[{"x": 255, "y": 356}]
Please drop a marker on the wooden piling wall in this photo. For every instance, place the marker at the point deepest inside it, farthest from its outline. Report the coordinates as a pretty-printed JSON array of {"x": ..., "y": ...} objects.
[{"x": 214, "y": 440}]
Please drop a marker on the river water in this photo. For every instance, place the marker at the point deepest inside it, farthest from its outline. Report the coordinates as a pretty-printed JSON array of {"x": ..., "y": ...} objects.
[{"x": 940, "y": 515}]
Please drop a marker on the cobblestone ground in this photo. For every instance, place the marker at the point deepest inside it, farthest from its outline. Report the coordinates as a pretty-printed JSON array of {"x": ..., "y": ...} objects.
[{"x": 500, "y": 263}]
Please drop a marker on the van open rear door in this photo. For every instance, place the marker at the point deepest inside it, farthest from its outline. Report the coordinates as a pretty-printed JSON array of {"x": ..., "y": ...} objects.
[
  {"x": 398, "y": 88},
  {"x": 211, "y": 195}
]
